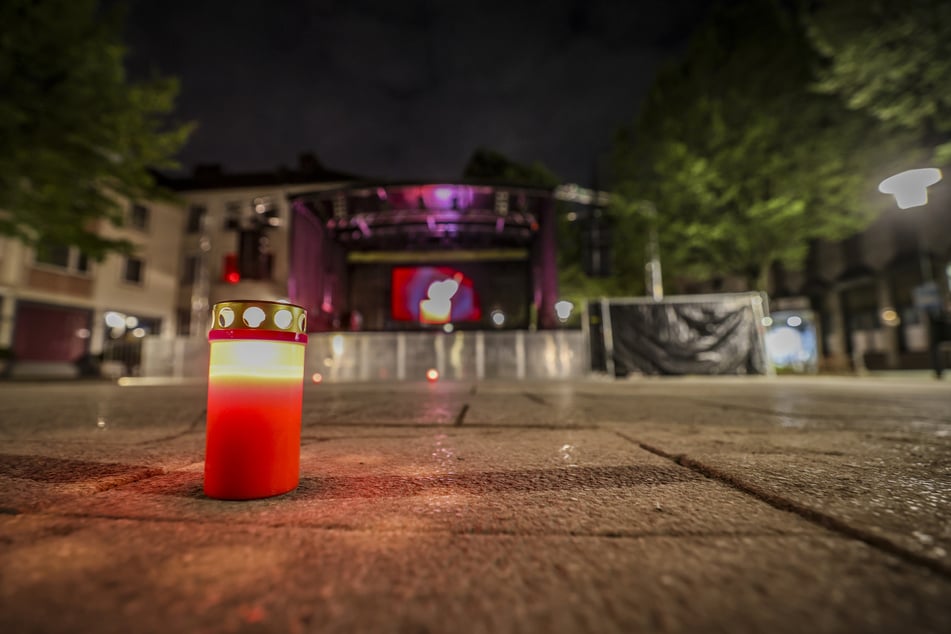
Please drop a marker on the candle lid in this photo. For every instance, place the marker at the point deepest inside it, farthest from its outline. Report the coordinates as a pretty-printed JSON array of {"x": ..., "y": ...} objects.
[{"x": 258, "y": 315}]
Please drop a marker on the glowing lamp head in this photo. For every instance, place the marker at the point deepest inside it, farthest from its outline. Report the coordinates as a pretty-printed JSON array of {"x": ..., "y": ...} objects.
[
  {"x": 563, "y": 310},
  {"x": 317, "y": 378},
  {"x": 889, "y": 317},
  {"x": 115, "y": 320},
  {"x": 432, "y": 375},
  {"x": 910, "y": 188}
]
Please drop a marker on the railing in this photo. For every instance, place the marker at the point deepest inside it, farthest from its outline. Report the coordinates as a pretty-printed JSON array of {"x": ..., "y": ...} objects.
[{"x": 402, "y": 356}]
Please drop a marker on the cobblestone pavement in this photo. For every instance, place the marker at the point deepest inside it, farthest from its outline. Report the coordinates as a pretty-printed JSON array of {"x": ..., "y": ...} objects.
[{"x": 656, "y": 505}]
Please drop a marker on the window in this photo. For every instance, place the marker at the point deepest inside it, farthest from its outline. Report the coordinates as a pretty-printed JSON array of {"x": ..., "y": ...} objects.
[
  {"x": 196, "y": 216},
  {"x": 254, "y": 258},
  {"x": 69, "y": 258},
  {"x": 232, "y": 215},
  {"x": 53, "y": 254},
  {"x": 190, "y": 269},
  {"x": 183, "y": 320},
  {"x": 139, "y": 217},
  {"x": 134, "y": 270},
  {"x": 266, "y": 212}
]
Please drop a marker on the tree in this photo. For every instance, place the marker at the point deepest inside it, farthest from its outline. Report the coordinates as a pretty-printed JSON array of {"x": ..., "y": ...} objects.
[
  {"x": 491, "y": 165},
  {"x": 743, "y": 161},
  {"x": 891, "y": 60},
  {"x": 76, "y": 137}
]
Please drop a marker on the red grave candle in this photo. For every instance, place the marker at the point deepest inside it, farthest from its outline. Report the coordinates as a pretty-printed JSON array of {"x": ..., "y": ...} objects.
[{"x": 255, "y": 389}]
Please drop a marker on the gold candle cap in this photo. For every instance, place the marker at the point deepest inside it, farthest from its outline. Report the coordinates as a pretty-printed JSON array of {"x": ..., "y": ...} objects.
[{"x": 259, "y": 315}]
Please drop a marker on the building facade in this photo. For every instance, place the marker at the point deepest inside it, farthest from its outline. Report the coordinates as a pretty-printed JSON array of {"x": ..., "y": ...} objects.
[
  {"x": 876, "y": 292},
  {"x": 310, "y": 236},
  {"x": 365, "y": 256},
  {"x": 57, "y": 306}
]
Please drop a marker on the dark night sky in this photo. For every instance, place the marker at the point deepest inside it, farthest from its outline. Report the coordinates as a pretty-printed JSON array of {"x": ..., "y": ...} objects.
[{"x": 407, "y": 88}]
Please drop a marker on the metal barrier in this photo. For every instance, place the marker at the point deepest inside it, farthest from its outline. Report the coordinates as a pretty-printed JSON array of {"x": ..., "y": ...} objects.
[
  {"x": 401, "y": 356},
  {"x": 121, "y": 358}
]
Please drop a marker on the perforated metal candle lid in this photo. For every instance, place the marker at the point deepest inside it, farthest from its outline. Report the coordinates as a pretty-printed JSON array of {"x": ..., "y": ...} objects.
[{"x": 255, "y": 319}]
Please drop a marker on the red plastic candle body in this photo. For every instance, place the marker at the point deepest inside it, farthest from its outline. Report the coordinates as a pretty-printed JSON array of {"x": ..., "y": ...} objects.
[{"x": 255, "y": 389}]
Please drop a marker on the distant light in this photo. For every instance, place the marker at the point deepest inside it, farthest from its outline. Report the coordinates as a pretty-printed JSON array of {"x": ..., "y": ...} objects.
[
  {"x": 572, "y": 216},
  {"x": 432, "y": 375},
  {"x": 910, "y": 188},
  {"x": 233, "y": 277},
  {"x": 336, "y": 344},
  {"x": 767, "y": 321},
  {"x": 443, "y": 194},
  {"x": 563, "y": 310},
  {"x": 794, "y": 321},
  {"x": 498, "y": 318},
  {"x": 783, "y": 343},
  {"x": 890, "y": 317},
  {"x": 317, "y": 378},
  {"x": 437, "y": 307},
  {"x": 131, "y": 322},
  {"x": 115, "y": 320},
  {"x": 447, "y": 328},
  {"x": 83, "y": 333},
  {"x": 138, "y": 332}
]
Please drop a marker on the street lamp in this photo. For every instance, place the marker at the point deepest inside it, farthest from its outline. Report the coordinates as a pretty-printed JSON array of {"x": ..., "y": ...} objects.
[
  {"x": 910, "y": 188},
  {"x": 655, "y": 282}
]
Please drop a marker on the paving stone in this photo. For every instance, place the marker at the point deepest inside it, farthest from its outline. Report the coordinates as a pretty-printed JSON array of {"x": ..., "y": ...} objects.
[
  {"x": 68, "y": 575},
  {"x": 639, "y": 505}
]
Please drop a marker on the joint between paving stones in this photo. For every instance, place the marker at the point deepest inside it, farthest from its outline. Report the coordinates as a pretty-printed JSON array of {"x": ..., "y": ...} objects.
[
  {"x": 461, "y": 415},
  {"x": 807, "y": 513}
]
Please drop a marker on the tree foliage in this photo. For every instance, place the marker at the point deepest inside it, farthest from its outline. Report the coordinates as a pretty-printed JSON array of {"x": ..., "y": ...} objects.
[
  {"x": 574, "y": 284},
  {"x": 76, "y": 137},
  {"x": 492, "y": 165},
  {"x": 890, "y": 59},
  {"x": 744, "y": 162}
]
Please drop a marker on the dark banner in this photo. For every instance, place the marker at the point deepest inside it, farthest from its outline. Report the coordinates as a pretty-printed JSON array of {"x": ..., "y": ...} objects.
[{"x": 679, "y": 337}]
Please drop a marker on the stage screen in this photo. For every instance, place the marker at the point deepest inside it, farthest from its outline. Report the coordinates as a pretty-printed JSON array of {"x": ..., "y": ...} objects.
[{"x": 433, "y": 295}]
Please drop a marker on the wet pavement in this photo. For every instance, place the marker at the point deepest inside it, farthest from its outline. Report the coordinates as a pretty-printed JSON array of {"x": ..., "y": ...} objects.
[{"x": 675, "y": 505}]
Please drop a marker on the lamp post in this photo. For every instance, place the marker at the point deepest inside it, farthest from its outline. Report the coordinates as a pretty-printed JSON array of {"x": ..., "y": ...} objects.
[
  {"x": 655, "y": 282},
  {"x": 910, "y": 189}
]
